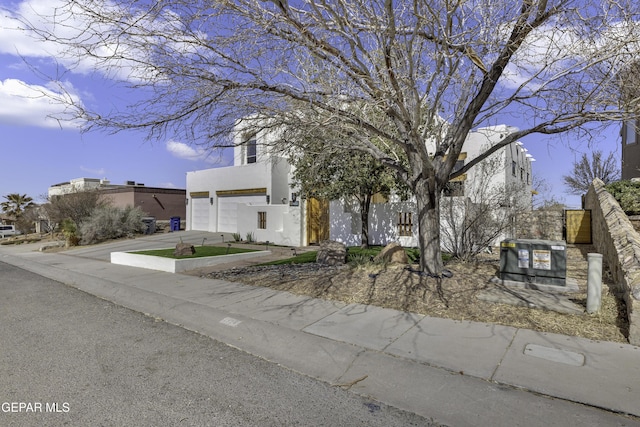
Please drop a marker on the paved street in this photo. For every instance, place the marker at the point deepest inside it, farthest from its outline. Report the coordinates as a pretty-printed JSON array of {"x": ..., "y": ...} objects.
[{"x": 68, "y": 358}]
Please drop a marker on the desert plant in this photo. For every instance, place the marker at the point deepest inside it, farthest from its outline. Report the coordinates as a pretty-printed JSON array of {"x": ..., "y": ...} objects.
[
  {"x": 250, "y": 237},
  {"x": 362, "y": 260},
  {"x": 236, "y": 237},
  {"x": 112, "y": 223},
  {"x": 69, "y": 230},
  {"x": 627, "y": 193}
]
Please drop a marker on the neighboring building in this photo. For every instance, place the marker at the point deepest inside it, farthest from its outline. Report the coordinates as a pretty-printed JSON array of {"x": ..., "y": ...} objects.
[
  {"x": 255, "y": 195},
  {"x": 630, "y": 82},
  {"x": 630, "y": 150},
  {"x": 77, "y": 185},
  {"x": 161, "y": 203}
]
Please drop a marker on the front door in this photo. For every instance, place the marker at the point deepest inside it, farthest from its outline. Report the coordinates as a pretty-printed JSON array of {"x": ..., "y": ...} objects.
[{"x": 317, "y": 220}]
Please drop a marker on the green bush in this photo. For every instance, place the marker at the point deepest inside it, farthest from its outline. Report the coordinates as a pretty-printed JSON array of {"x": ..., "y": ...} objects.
[
  {"x": 70, "y": 232},
  {"x": 111, "y": 223},
  {"x": 236, "y": 237},
  {"x": 627, "y": 193},
  {"x": 250, "y": 237}
]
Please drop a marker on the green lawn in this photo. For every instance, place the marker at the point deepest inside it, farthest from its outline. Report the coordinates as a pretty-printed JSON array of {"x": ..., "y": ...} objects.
[{"x": 201, "y": 251}]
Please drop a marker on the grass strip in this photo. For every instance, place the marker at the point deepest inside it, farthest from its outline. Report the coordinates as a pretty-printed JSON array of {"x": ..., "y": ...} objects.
[{"x": 201, "y": 251}]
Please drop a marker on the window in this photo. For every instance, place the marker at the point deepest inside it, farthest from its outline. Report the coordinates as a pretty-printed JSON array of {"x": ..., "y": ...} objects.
[
  {"x": 521, "y": 174},
  {"x": 453, "y": 189},
  {"x": 630, "y": 133},
  {"x": 404, "y": 224},
  {"x": 459, "y": 165},
  {"x": 251, "y": 150},
  {"x": 262, "y": 220},
  {"x": 513, "y": 168}
]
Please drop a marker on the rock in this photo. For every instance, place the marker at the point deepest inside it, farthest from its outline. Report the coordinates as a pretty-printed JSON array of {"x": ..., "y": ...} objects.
[
  {"x": 331, "y": 253},
  {"x": 184, "y": 249},
  {"x": 393, "y": 253},
  {"x": 52, "y": 245}
]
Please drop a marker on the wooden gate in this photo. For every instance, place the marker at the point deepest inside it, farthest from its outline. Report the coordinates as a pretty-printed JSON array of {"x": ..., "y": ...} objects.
[
  {"x": 317, "y": 220},
  {"x": 578, "y": 226}
]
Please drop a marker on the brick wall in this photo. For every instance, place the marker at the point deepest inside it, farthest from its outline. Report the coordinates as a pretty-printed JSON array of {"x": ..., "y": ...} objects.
[{"x": 616, "y": 239}]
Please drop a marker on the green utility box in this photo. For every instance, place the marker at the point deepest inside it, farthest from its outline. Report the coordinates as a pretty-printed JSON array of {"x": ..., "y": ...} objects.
[{"x": 534, "y": 261}]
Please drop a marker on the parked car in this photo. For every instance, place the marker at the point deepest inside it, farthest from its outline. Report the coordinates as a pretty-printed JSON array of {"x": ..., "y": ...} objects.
[{"x": 8, "y": 230}]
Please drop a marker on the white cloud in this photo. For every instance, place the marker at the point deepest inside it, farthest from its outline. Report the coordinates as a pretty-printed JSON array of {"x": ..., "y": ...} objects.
[
  {"x": 108, "y": 51},
  {"x": 167, "y": 185},
  {"x": 34, "y": 105},
  {"x": 96, "y": 172},
  {"x": 185, "y": 151}
]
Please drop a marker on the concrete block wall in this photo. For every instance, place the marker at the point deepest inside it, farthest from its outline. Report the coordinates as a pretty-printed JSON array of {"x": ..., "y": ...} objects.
[{"x": 616, "y": 239}]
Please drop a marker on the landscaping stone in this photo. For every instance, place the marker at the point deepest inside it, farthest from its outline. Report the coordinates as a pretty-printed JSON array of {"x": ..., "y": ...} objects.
[
  {"x": 184, "y": 249},
  {"x": 393, "y": 253},
  {"x": 331, "y": 253}
]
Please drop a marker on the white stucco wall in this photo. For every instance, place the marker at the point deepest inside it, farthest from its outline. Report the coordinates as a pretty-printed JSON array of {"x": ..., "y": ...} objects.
[
  {"x": 285, "y": 224},
  {"x": 383, "y": 217},
  {"x": 282, "y": 224}
]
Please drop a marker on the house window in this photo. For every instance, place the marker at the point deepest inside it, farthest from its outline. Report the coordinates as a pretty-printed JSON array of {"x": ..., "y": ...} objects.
[
  {"x": 630, "y": 132},
  {"x": 251, "y": 150},
  {"x": 528, "y": 178},
  {"x": 521, "y": 174},
  {"x": 513, "y": 168},
  {"x": 459, "y": 165},
  {"x": 453, "y": 189},
  {"x": 404, "y": 223},
  {"x": 262, "y": 220}
]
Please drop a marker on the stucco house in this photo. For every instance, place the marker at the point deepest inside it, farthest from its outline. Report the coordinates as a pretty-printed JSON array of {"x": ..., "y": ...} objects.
[
  {"x": 160, "y": 203},
  {"x": 255, "y": 195}
]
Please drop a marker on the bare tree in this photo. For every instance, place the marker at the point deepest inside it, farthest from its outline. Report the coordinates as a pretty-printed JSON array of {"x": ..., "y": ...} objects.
[
  {"x": 475, "y": 218},
  {"x": 431, "y": 71},
  {"x": 586, "y": 170},
  {"x": 76, "y": 206}
]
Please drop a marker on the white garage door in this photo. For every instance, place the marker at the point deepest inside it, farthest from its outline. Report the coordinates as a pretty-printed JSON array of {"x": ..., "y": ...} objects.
[
  {"x": 228, "y": 211},
  {"x": 200, "y": 213}
]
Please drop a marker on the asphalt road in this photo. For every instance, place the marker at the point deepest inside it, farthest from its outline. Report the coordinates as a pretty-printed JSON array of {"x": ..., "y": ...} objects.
[{"x": 68, "y": 358}]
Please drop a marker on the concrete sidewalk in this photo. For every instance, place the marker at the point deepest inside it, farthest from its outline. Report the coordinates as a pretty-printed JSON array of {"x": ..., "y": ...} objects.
[{"x": 459, "y": 373}]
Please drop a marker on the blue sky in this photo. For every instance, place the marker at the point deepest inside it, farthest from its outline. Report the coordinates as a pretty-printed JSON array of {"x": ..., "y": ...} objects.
[{"x": 38, "y": 152}]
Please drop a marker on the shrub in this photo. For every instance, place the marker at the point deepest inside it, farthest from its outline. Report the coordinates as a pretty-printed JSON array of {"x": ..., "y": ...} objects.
[
  {"x": 236, "y": 237},
  {"x": 627, "y": 193},
  {"x": 250, "y": 237},
  {"x": 111, "y": 223},
  {"x": 70, "y": 232}
]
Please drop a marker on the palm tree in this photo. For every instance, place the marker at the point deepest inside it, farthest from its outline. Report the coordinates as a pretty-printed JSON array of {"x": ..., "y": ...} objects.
[{"x": 16, "y": 204}]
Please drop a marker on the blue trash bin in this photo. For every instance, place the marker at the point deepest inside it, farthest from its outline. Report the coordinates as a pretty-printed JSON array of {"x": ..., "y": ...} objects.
[{"x": 174, "y": 223}]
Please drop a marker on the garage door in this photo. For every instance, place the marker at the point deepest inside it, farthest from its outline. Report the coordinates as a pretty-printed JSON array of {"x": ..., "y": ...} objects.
[
  {"x": 200, "y": 213},
  {"x": 228, "y": 210}
]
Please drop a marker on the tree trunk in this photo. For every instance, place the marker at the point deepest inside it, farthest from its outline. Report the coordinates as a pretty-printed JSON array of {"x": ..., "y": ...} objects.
[
  {"x": 427, "y": 194},
  {"x": 365, "y": 205}
]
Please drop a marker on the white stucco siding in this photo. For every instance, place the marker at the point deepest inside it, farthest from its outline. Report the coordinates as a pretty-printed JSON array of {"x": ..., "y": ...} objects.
[
  {"x": 200, "y": 213},
  {"x": 228, "y": 210}
]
